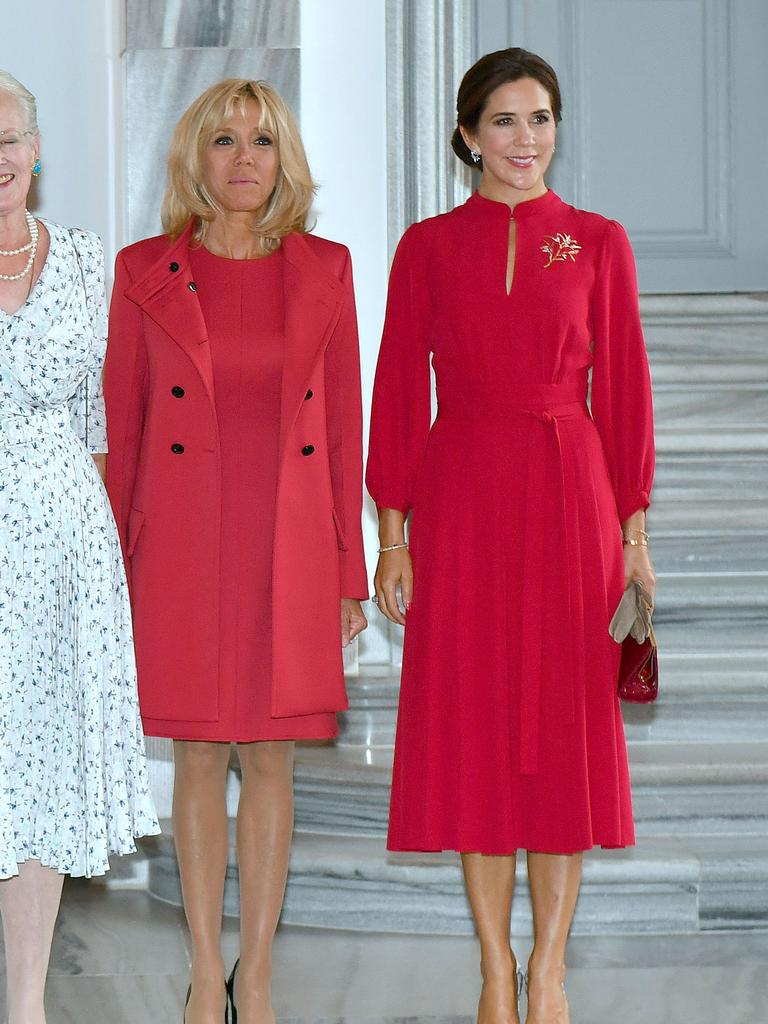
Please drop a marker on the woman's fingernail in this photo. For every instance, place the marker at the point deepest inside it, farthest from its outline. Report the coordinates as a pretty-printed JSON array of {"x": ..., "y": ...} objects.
[{"x": 408, "y": 605}]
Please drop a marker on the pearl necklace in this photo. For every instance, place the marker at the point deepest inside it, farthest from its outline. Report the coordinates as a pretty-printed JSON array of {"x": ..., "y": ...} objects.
[{"x": 31, "y": 245}]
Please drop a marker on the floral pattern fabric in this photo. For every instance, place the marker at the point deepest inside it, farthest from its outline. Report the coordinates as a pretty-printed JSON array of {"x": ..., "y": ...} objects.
[{"x": 73, "y": 777}]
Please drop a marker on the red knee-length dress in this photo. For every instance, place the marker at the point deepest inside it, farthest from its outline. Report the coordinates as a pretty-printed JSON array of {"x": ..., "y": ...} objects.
[
  {"x": 244, "y": 311},
  {"x": 509, "y": 731}
]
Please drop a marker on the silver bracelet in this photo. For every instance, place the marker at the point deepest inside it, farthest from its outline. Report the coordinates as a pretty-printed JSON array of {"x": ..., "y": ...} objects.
[{"x": 392, "y": 547}]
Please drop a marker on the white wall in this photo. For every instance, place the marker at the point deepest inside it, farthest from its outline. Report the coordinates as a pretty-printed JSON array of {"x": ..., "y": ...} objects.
[
  {"x": 66, "y": 54},
  {"x": 343, "y": 124}
]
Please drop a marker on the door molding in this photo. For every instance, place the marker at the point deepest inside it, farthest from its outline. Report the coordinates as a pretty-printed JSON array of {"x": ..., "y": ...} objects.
[{"x": 716, "y": 236}]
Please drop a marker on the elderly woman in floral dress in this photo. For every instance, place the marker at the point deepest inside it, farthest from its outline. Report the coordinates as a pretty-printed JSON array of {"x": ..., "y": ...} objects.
[{"x": 73, "y": 782}]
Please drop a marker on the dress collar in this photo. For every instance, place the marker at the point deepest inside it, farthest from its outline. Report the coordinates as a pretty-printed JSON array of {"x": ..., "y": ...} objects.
[{"x": 528, "y": 208}]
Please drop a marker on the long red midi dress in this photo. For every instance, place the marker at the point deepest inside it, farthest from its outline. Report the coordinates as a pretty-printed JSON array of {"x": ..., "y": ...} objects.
[
  {"x": 243, "y": 307},
  {"x": 509, "y": 730}
]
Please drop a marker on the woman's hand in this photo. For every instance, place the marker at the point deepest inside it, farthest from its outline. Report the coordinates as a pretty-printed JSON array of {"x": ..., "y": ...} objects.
[
  {"x": 394, "y": 567},
  {"x": 101, "y": 465},
  {"x": 638, "y": 566},
  {"x": 353, "y": 620}
]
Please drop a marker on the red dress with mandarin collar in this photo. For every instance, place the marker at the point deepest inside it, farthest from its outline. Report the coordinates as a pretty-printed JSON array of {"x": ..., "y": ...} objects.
[{"x": 510, "y": 732}]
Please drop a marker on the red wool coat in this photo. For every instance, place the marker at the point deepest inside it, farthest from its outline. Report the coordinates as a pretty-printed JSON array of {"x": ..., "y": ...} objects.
[{"x": 163, "y": 477}]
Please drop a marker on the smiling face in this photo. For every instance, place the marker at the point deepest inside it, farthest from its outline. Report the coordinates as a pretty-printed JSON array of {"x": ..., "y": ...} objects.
[
  {"x": 516, "y": 138},
  {"x": 18, "y": 152},
  {"x": 240, "y": 162}
]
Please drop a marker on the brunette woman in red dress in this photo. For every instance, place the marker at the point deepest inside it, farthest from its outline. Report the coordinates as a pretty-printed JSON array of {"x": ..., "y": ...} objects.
[
  {"x": 510, "y": 733},
  {"x": 235, "y": 471}
]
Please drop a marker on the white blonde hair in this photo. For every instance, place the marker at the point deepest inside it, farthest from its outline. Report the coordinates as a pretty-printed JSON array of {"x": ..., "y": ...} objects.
[
  {"x": 12, "y": 87},
  {"x": 187, "y": 196}
]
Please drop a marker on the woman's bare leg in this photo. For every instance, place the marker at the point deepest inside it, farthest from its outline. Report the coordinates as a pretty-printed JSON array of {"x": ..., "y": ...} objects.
[
  {"x": 554, "y": 882},
  {"x": 264, "y": 830},
  {"x": 490, "y": 885},
  {"x": 201, "y": 837},
  {"x": 29, "y": 904}
]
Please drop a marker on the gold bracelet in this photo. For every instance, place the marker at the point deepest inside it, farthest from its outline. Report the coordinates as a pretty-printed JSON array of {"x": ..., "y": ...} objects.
[
  {"x": 633, "y": 542},
  {"x": 392, "y": 547}
]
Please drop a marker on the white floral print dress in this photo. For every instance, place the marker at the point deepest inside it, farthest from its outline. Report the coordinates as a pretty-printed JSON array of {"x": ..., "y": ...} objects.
[{"x": 73, "y": 778}]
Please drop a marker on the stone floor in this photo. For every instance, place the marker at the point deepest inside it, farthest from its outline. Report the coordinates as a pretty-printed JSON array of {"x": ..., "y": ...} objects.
[{"x": 122, "y": 957}]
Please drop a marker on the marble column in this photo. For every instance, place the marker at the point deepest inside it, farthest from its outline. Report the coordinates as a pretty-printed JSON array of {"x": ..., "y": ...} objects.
[
  {"x": 174, "y": 51},
  {"x": 429, "y": 46}
]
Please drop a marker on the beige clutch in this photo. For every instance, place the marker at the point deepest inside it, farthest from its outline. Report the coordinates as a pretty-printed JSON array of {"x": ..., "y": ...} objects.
[{"x": 633, "y": 616}]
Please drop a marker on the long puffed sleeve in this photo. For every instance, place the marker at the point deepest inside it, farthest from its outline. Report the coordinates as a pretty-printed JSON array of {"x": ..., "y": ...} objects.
[
  {"x": 344, "y": 418},
  {"x": 622, "y": 406},
  {"x": 125, "y": 373},
  {"x": 402, "y": 411}
]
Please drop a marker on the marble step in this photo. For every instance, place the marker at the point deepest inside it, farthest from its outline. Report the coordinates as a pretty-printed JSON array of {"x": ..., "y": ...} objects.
[
  {"x": 706, "y": 439},
  {"x": 728, "y": 407},
  {"x": 704, "y": 309},
  {"x": 706, "y": 352},
  {"x": 682, "y": 884},
  {"x": 736, "y": 551},
  {"x": 687, "y": 513},
  {"x": 706, "y": 693},
  {"x": 708, "y": 492},
  {"x": 682, "y": 789},
  {"x": 721, "y": 477},
  {"x": 709, "y": 589}
]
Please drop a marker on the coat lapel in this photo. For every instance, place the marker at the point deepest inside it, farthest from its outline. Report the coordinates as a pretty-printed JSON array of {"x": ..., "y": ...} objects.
[
  {"x": 164, "y": 294},
  {"x": 313, "y": 300}
]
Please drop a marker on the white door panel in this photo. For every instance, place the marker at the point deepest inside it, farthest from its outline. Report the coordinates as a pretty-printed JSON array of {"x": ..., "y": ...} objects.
[{"x": 664, "y": 126}]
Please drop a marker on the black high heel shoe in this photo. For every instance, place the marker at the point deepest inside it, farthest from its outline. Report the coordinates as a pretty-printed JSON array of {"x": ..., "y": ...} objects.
[{"x": 231, "y": 994}]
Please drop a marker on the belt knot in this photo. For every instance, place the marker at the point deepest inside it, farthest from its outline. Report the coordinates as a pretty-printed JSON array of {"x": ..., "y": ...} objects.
[{"x": 543, "y": 416}]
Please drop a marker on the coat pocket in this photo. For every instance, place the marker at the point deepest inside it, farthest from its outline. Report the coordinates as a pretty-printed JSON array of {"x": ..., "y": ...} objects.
[
  {"x": 135, "y": 525},
  {"x": 340, "y": 538}
]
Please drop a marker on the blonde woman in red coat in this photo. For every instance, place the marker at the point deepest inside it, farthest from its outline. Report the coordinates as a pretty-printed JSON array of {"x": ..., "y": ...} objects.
[
  {"x": 235, "y": 470},
  {"x": 510, "y": 733}
]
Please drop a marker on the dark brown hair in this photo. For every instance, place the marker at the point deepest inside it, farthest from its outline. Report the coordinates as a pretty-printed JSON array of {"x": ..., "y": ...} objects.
[{"x": 486, "y": 75}]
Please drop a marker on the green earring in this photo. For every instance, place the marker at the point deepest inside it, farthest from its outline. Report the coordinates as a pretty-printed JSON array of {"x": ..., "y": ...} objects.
[{"x": 37, "y": 168}]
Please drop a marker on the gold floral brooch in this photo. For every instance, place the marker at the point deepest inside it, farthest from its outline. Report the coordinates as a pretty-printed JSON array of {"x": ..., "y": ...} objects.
[{"x": 560, "y": 247}]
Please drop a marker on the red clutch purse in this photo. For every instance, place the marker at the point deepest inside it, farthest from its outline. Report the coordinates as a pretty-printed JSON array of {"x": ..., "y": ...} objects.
[{"x": 639, "y": 671}]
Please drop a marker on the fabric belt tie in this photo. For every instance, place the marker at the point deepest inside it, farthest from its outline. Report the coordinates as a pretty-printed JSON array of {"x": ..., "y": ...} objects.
[
  {"x": 545, "y": 482},
  {"x": 551, "y": 566},
  {"x": 34, "y": 426}
]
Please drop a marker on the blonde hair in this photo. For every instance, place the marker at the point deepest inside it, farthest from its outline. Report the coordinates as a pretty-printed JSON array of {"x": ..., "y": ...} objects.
[
  {"x": 12, "y": 87},
  {"x": 187, "y": 196}
]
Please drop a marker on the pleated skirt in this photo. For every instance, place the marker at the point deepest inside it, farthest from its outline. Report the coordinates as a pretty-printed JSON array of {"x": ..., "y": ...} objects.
[
  {"x": 73, "y": 778},
  {"x": 509, "y": 731}
]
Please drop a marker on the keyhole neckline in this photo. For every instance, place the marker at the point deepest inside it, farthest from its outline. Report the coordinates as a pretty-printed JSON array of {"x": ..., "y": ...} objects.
[{"x": 523, "y": 210}]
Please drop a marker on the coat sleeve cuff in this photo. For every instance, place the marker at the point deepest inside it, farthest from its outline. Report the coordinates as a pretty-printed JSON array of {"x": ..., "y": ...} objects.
[{"x": 632, "y": 503}]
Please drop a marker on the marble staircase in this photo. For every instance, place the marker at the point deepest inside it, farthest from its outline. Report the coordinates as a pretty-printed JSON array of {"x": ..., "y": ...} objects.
[{"x": 699, "y": 757}]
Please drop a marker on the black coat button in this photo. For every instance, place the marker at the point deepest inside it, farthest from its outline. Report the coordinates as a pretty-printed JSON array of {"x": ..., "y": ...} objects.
[
  {"x": 177, "y": 448},
  {"x": 307, "y": 449},
  {"x": 192, "y": 286},
  {"x": 173, "y": 266},
  {"x": 309, "y": 394},
  {"x": 177, "y": 392}
]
